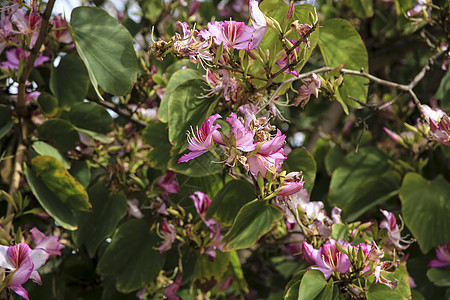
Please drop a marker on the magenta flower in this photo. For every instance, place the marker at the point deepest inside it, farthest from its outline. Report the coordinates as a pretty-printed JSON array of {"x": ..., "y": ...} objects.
[
  {"x": 201, "y": 203},
  {"x": 28, "y": 23},
  {"x": 243, "y": 138},
  {"x": 61, "y": 33},
  {"x": 443, "y": 257},
  {"x": 311, "y": 87},
  {"x": 439, "y": 124},
  {"x": 220, "y": 80},
  {"x": 16, "y": 55},
  {"x": 49, "y": 244},
  {"x": 390, "y": 224},
  {"x": 168, "y": 182},
  {"x": 22, "y": 263},
  {"x": 270, "y": 154},
  {"x": 303, "y": 31},
  {"x": 259, "y": 23},
  {"x": 292, "y": 184},
  {"x": 282, "y": 62},
  {"x": 192, "y": 43},
  {"x": 202, "y": 140},
  {"x": 327, "y": 258},
  {"x": 393, "y": 136},
  {"x": 169, "y": 234},
  {"x": 170, "y": 291},
  {"x": 382, "y": 268},
  {"x": 232, "y": 34}
]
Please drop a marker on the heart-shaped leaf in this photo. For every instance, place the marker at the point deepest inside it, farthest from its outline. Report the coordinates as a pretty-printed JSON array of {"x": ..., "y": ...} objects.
[{"x": 426, "y": 209}]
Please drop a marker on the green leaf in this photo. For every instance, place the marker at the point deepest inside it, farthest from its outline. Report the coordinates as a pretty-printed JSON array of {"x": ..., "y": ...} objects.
[
  {"x": 6, "y": 121},
  {"x": 107, "y": 210},
  {"x": 90, "y": 116},
  {"x": 187, "y": 107},
  {"x": 69, "y": 82},
  {"x": 357, "y": 168},
  {"x": 373, "y": 193},
  {"x": 302, "y": 160},
  {"x": 237, "y": 271},
  {"x": 204, "y": 165},
  {"x": 178, "y": 78},
  {"x": 313, "y": 282},
  {"x": 96, "y": 136},
  {"x": 278, "y": 10},
  {"x": 59, "y": 181},
  {"x": 81, "y": 172},
  {"x": 157, "y": 136},
  {"x": 229, "y": 200},
  {"x": 48, "y": 105},
  {"x": 443, "y": 92},
  {"x": 253, "y": 221},
  {"x": 362, "y": 8},
  {"x": 339, "y": 231},
  {"x": 439, "y": 276},
  {"x": 340, "y": 44},
  {"x": 106, "y": 48},
  {"x": 42, "y": 148},
  {"x": 333, "y": 159},
  {"x": 52, "y": 204},
  {"x": 425, "y": 209},
  {"x": 379, "y": 291},
  {"x": 132, "y": 258},
  {"x": 210, "y": 270},
  {"x": 292, "y": 288},
  {"x": 62, "y": 132}
]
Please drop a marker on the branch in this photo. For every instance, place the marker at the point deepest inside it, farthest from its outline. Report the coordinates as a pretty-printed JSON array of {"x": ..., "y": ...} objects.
[
  {"x": 120, "y": 112},
  {"x": 21, "y": 106},
  {"x": 406, "y": 88},
  {"x": 22, "y": 109}
]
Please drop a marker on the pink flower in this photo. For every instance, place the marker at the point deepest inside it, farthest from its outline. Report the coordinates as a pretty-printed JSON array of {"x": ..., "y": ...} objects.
[
  {"x": 303, "y": 31},
  {"x": 243, "y": 138},
  {"x": 168, "y": 182},
  {"x": 393, "y": 136},
  {"x": 327, "y": 258},
  {"x": 282, "y": 62},
  {"x": 311, "y": 87},
  {"x": 292, "y": 184},
  {"x": 390, "y": 224},
  {"x": 383, "y": 268},
  {"x": 169, "y": 233},
  {"x": 16, "y": 55},
  {"x": 170, "y": 291},
  {"x": 60, "y": 34},
  {"x": 201, "y": 141},
  {"x": 259, "y": 23},
  {"x": 22, "y": 262},
  {"x": 220, "y": 80},
  {"x": 201, "y": 203},
  {"x": 192, "y": 43},
  {"x": 270, "y": 155},
  {"x": 28, "y": 23},
  {"x": 49, "y": 244},
  {"x": 232, "y": 34},
  {"x": 439, "y": 124},
  {"x": 443, "y": 257}
]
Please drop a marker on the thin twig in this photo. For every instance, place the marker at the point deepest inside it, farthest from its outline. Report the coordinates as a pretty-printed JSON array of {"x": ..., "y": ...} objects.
[{"x": 120, "y": 112}]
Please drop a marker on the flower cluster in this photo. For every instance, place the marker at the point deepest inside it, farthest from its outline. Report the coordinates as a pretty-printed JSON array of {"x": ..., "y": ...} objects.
[
  {"x": 209, "y": 242},
  {"x": 311, "y": 232},
  {"x": 22, "y": 262},
  {"x": 251, "y": 144}
]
